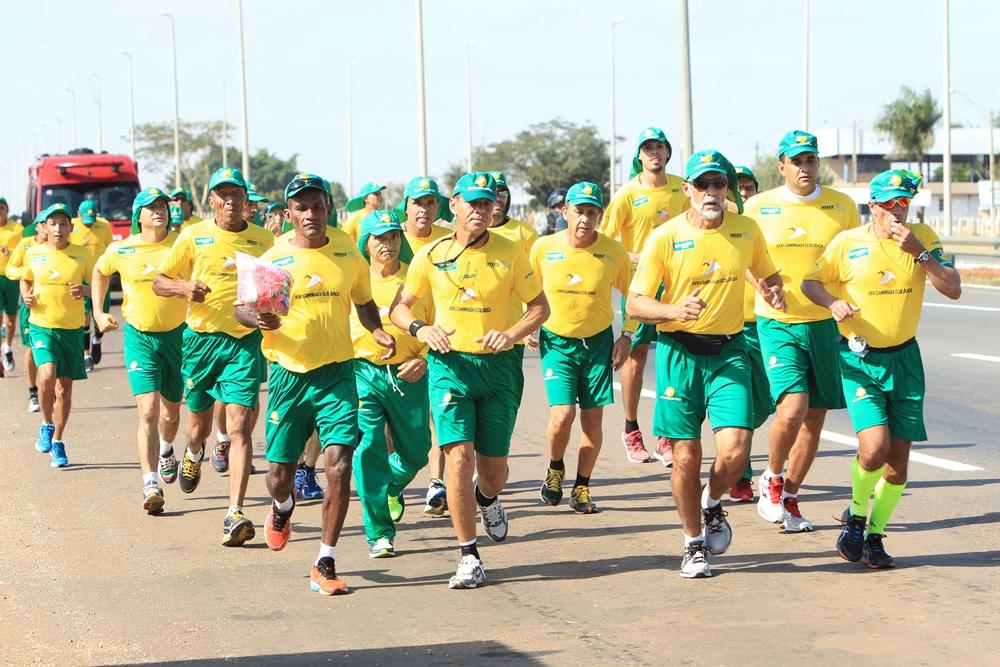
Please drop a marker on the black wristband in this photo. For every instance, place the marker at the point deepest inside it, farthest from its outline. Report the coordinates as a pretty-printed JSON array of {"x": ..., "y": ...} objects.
[{"x": 415, "y": 326}]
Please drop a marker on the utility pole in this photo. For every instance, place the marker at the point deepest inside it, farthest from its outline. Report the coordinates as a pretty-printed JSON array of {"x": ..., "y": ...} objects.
[{"x": 687, "y": 122}]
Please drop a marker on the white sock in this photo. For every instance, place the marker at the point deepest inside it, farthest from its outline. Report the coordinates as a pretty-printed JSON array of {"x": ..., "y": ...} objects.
[
  {"x": 235, "y": 508},
  {"x": 325, "y": 551},
  {"x": 148, "y": 478},
  {"x": 786, "y": 494},
  {"x": 221, "y": 437},
  {"x": 6, "y": 348},
  {"x": 285, "y": 505},
  {"x": 688, "y": 539},
  {"x": 191, "y": 457},
  {"x": 166, "y": 448},
  {"x": 768, "y": 474},
  {"x": 707, "y": 501}
]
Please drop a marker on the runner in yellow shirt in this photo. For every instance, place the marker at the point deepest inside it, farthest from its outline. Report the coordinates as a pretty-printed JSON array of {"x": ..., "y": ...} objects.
[
  {"x": 182, "y": 197},
  {"x": 33, "y": 235},
  {"x": 798, "y": 220},
  {"x": 153, "y": 331},
  {"x": 221, "y": 356},
  {"x": 475, "y": 376},
  {"x": 10, "y": 236},
  {"x": 368, "y": 199},
  {"x": 699, "y": 260},
  {"x": 53, "y": 284},
  {"x": 94, "y": 233},
  {"x": 578, "y": 267},
  {"x": 647, "y": 200}
]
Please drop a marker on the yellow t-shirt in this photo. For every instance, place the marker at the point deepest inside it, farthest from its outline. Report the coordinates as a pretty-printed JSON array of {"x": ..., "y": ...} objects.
[
  {"x": 336, "y": 236},
  {"x": 326, "y": 283},
  {"x": 886, "y": 283},
  {"x": 578, "y": 282},
  {"x": 383, "y": 292},
  {"x": 96, "y": 237},
  {"x": 206, "y": 252},
  {"x": 52, "y": 272},
  {"x": 193, "y": 220},
  {"x": 15, "y": 265},
  {"x": 796, "y": 232},
  {"x": 749, "y": 301},
  {"x": 10, "y": 236},
  {"x": 683, "y": 257},
  {"x": 518, "y": 232},
  {"x": 473, "y": 294},
  {"x": 137, "y": 263},
  {"x": 418, "y": 242},
  {"x": 352, "y": 225},
  {"x": 635, "y": 211}
]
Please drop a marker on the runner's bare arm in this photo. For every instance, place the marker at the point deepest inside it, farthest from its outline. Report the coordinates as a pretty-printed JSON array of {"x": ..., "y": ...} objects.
[
  {"x": 401, "y": 314},
  {"x": 192, "y": 290},
  {"x": 100, "y": 284},
  {"x": 371, "y": 320},
  {"x": 816, "y": 292},
  {"x": 536, "y": 312},
  {"x": 648, "y": 309}
]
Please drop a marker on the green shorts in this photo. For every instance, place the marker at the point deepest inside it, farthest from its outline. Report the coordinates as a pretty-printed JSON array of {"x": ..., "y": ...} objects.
[
  {"x": 474, "y": 397},
  {"x": 577, "y": 370},
  {"x": 324, "y": 400},
  {"x": 219, "y": 367},
  {"x": 88, "y": 302},
  {"x": 25, "y": 325},
  {"x": 153, "y": 362},
  {"x": 760, "y": 389},
  {"x": 801, "y": 358},
  {"x": 690, "y": 385},
  {"x": 885, "y": 388},
  {"x": 10, "y": 292},
  {"x": 60, "y": 347},
  {"x": 385, "y": 400},
  {"x": 645, "y": 333}
]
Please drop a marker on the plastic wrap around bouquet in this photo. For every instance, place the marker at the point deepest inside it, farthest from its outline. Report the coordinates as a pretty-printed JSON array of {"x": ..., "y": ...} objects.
[{"x": 262, "y": 287}]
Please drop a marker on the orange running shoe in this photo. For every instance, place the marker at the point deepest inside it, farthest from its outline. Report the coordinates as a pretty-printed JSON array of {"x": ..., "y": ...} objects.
[
  {"x": 278, "y": 527},
  {"x": 324, "y": 580}
]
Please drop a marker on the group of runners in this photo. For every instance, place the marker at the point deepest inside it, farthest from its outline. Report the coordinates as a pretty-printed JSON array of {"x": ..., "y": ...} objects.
[{"x": 404, "y": 341}]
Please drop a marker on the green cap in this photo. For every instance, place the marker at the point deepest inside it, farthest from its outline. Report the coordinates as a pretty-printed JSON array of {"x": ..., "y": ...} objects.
[
  {"x": 227, "y": 175},
  {"x": 273, "y": 206},
  {"x": 747, "y": 173},
  {"x": 894, "y": 183},
  {"x": 704, "y": 162},
  {"x": 88, "y": 211},
  {"x": 56, "y": 208},
  {"x": 382, "y": 222},
  {"x": 141, "y": 201},
  {"x": 304, "y": 181},
  {"x": 252, "y": 193},
  {"x": 477, "y": 185},
  {"x": 500, "y": 179},
  {"x": 649, "y": 134},
  {"x": 797, "y": 142},
  {"x": 358, "y": 202},
  {"x": 29, "y": 230},
  {"x": 421, "y": 186},
  {"x": 176, "y": 215},
  {"x": 184, "y": 192},
  {"x": 585, "y": 192},
  {"x": 3, "y": 200}
]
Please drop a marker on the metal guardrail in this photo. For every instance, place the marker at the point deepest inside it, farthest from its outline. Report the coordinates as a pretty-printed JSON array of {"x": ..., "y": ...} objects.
[{"x": 972, "y": 246}]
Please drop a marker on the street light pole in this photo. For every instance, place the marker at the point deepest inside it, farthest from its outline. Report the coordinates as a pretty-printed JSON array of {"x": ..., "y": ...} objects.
[
  {"x": 225, "y": 125},
  {"x": 350, "y": 128},
  {"x": 177, "y": 120},
  {"x": 131, "y": 101},
  {"x": 687, "y": 115},
  {"x": 805, "y": 67},
  {"x": 468, "y": 106},
  {"x": 243, "y": 93},
  {"x": 421, "y": 105},
  {"x": 946, "y": 158},
  {"x": 612, "y": 140},
  {"x": 993, "y": 179},
  {"x": 72, "y": 94},
  {"x": 100, "y": 114}
]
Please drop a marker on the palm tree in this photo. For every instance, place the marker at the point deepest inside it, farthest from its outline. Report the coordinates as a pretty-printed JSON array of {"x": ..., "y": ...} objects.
[{"x": 909, "y": 121}]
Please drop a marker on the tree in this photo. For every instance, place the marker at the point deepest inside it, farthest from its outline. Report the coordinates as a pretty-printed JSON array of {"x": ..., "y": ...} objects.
[
  {"x": 909, "y": 121},
  {"x": 270, "y": 174}
]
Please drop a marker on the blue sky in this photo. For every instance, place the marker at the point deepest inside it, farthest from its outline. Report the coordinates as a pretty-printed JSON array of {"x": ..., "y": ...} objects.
[{"x": 534, "y": 61}]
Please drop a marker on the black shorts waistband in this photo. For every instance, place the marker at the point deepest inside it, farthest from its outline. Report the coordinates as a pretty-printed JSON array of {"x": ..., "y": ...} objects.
[{"x": 892, "y": 348}]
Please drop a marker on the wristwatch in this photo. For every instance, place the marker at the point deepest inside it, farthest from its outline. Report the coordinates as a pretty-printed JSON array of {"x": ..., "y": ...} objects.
[
  {"x": 628, "y": 334},
  {"x": 415, "y": 326},
  {"x": 924, "y": 256}
]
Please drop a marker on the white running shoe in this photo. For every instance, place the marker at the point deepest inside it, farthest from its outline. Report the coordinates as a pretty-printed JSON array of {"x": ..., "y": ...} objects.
[
  {"x": 718, "y": 532},
  {"x": 470, "y": 573},
  {"x": 383, "y": 548},
  {"x": 494, "y": 520},
  {"x": 436, "y": 502},
  {"x": 769, "y": 505},
  {"x": 33, "y": 405},
  {"x": 695, "y": 565},
  {"x": 793, "y": 521}
]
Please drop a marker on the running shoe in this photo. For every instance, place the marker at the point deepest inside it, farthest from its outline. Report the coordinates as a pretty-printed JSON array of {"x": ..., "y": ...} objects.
[
  {"x": 635, "y": 449},
  {"x": 793, "y": 521},
  {"x": 470, "y": 573},
  {"x": 8, "y": 360},
  {"x": 580, "y": 502},
  {"x": 694, "y": 565},
  {"x": 494, "y": 520},
  {"x": 769, "y": 505},
  {"x": 33, "y": 405},
  {"x": 95, "y": 349},
  {"x": 718, "y": 532},
  {"x": 277, "y": 527},
  {"x": 551, "y": 492},
  {"x": 664, "y": 452},
  {"x": 311, "y": 490},
  {"x": 88, "y": 361},
  {"x": 742, "y": 491},
  {"x": 382, "y": 548},
  {"x": 851, "y": 541},
  {"x": 220, "y": 457},
  {"x": 437, "y": 499},
  {"x": 167, "y": 468},
  {"x": 152, "y": 498},
  {"x": 300, "y": 476},
  {"x": 874, "y": 555},
  {"x": 58, "y": 454},
  {"x": 236, "y": 529},
  {"x": 396, "y": 507},
  {"x": 44, "y": 441},
  {"x": 191, "y": 472},
  {"x": 323, "y": 578}
]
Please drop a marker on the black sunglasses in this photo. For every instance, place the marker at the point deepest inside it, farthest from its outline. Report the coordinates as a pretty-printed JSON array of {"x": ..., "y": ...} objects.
[{"x": 702, "y": 184}]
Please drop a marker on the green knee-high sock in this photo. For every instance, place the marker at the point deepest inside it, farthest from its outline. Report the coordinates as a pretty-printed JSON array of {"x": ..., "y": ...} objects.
[
  {"x": 862, "y": 484},
  {"x": 887, "y": 495}
]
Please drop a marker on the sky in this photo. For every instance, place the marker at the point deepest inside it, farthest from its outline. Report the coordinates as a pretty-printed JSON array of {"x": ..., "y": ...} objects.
[{"x": 534, "y": 60}]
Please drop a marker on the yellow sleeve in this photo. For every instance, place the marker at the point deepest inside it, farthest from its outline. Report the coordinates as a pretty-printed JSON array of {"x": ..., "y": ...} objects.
[
  {"x": 929, "y": 238},
  {"x": 178, "y": 262},
  {"x": 107, "y": 238},
  {"x": 761, "y": 266},
  {"x": 106, "y": 263},
  {"x": 526, "y": 285},
  {"x": 624, "y": 270},
  {"x": 535, "y": 259},
  {"x": 15, "y": 265},
  {"x": 827, "y": 269},
  {"x": 26, "y": 273},
  {"x": 650, "y": 271},
  {"x": 361, "y": 293},
  {"x": 88, "y": 268},
  {"x": 417, "y": 279},
  {"x": 530, "y": 236},
  {"x": 614, "y": 217}
]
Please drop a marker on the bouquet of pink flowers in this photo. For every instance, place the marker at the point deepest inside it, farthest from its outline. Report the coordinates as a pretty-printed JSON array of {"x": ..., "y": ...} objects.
[{"x": 262, "y": 287}]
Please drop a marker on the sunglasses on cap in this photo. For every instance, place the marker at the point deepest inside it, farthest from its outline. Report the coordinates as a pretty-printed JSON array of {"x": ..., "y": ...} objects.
[
  {"x": 701, "y": 184},
  {"x": 301, "y": 183},
  {"x": 902, "y": 202}
]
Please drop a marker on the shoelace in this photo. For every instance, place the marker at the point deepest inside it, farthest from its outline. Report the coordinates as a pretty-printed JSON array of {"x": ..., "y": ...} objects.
[
  {"x": 553, "y": 480},
  {"x": 856, "y": 528},
  {"x": 327, "y": 567},
  {"x": 775, "y": 486},
  {"x": 634, "y": 440},
  {"x": 279, "y": 519},
  {"x": 222, "y": 449},
  {"x": 875, "y": 545},
  {"x": 493, "y": 512},
  {"x": 792, "y": 507},
  {"x": 190, "y": 468},
  {"x": 582, "y": 494},
  {"x": 696, "y": 552},
  {"x": 713, "y": 520}
]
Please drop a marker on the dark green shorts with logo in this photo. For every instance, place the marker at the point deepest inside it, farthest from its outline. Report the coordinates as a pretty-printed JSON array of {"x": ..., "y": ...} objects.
[
  {"x": 324, "y": 400},
  {"x": 153, "y": 362},
  {"x": 25, "y": 325},
  {"x": 577, "y": 370},
  {"x": 645, "y": 333},
  {"x": 802, "y": 358},
  {"x": 10, "y": 292},
  {"x": 885, "y": 388},
  {"x": 763, "y": 406},
  {"x": 60, "y": 347},
  {"x": 690, "y": 385},
  {"x": 88, "y": 302},
  {"x": 219, "y": 367},
  {"x": 474, "y": 397}
]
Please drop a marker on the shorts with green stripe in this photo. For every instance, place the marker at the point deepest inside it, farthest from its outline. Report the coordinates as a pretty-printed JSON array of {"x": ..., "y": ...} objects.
[
  {"x": 88, "y": 302},
  {"x": 220, "y": 367},
  {"x": 10, "y": 292},
  {"x": 763, "y": 406},
  {"x": 801, "y": 358},
  {"x": 577, "y": 370},
  {"x": 885, "y": 388},
  {"x": 474, "y": 397},
  {"x": 324, "y": 400},
  {"x": 153, "y": 362},
  {"x": 25, "y": 325},
  {"x": 60, "y": 347},
  {"x": 689, "y": 386}
]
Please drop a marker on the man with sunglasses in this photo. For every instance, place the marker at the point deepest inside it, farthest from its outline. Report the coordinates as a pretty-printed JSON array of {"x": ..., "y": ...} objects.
[
  {"x": 871, "y": 279},
  {"x": 649, "y": 199},
  {"x": 182, "y": 197},
  {"x": 699, "y": 260},
  {"x": 798, "y": 219},
  {"x": 474, "y": 373}
]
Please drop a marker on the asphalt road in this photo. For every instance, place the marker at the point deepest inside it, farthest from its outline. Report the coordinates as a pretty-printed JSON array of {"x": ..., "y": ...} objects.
[{"x": 87, "y": 578}]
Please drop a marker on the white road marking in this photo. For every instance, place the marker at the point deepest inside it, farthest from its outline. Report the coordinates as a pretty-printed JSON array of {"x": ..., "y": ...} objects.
[
  {"x": 988, "y": 309},
  {"x": 851, "y": 441},
  {"x": 977, "y": 357}
]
